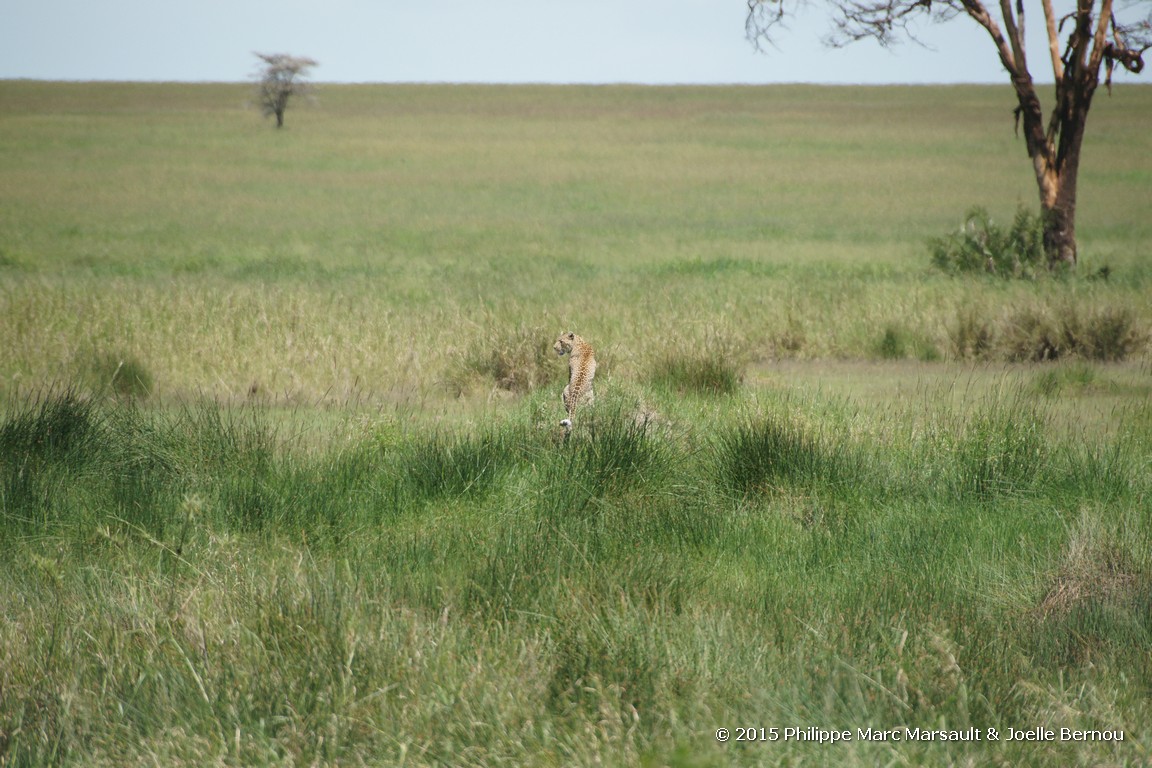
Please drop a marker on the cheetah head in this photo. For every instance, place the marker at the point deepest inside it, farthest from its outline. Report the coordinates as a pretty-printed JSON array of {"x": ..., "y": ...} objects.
[{"x": 564, "y": 344}]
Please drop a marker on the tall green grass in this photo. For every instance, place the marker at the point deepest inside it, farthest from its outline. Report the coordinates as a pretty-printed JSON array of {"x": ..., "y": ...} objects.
[{"x": 199, "y": 584}]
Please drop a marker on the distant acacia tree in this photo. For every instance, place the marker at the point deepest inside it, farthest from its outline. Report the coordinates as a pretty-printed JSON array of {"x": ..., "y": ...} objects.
[
  {"x": 281, "y": 76},
  {"x": 1089, "y": 37}
]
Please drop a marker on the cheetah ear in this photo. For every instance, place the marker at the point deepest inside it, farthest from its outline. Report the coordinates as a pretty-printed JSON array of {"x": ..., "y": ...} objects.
[{"x": 571, "y": 336}]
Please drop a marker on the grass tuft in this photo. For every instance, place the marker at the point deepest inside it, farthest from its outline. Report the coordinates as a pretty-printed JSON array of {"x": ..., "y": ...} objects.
[
  {"x": 1098, "y": 594},
  {"x": 759, "y": 457},
  {"x": 972, "y": 336},
  {"x": 57, "y": 426},
  {"x": 1002, "y": 450},
  {"x": 892, "y": 345},
  {"x": 123, "y": 375},
  {"x": 613, "y": 453},
  {"x": 518, "y": 361},
  {"x": 709, "y": 374},
  {"x": 897, "y": 343},
  {"x": 454, "y": 466},
  {"x": 1108, "y": 334}
]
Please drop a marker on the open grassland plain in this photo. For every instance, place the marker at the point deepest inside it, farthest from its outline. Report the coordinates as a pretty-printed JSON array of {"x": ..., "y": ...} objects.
[
  {"x": 282, "y": 480},
  {"x": 404, "y": 243}
]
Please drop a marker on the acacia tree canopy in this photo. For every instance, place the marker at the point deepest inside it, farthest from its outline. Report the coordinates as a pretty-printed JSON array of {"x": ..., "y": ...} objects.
[
  {"x": 1087, "y": 37},
  {"x": 281, "y": 76}
]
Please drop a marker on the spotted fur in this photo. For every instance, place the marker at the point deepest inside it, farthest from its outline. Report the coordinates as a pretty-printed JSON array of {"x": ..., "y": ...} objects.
[{"x": 581, "y": 370}]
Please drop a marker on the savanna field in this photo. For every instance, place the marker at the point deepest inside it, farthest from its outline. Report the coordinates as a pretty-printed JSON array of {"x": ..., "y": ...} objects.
[{"x": 282, "y": 481}]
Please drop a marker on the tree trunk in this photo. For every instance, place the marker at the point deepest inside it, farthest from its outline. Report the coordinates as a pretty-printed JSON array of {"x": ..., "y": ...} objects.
[
  {"x": 1055, "y": 155},
  {"x": 1054, "y": 148},
  {"x": 1058, "y": 210},
  {"x": 1060, "y": 233},
  {"x": 280, "y": 117}
]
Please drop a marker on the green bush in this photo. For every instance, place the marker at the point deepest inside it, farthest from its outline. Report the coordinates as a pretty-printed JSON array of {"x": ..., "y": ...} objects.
[{"x": 980, "y": 245}]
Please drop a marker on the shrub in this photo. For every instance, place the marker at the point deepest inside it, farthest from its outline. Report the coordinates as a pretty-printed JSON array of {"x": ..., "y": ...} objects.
[{"x": 980, "y": 245}]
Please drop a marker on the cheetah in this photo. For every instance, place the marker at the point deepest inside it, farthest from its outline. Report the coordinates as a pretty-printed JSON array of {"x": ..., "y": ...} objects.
[{"x": 581, "y": 370}]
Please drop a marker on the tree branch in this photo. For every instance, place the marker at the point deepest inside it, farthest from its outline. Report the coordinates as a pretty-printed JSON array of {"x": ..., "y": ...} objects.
[
  {"x": 979, "y": 14},
  {"x": 1119, "y": 49},
  {"x": 1077, "y": 53},
  {"x": 1099, "y": 40},
  {"x": 1053, "y": 40},
  {"x": 763, "y": 17},
  {"x": 1015, "y": 35},
  {"x": 885, "y": 21},
  {"x": 882, "y": 21}
]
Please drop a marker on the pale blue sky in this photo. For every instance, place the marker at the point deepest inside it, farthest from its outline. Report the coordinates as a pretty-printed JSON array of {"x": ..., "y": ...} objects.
[{"x": 499, "y": 41}]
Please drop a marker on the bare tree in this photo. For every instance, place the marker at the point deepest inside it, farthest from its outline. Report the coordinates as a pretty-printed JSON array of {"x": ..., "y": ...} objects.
[
  {"x": 1089, "y": 38},
  {"x": 281, "y": 76}
]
